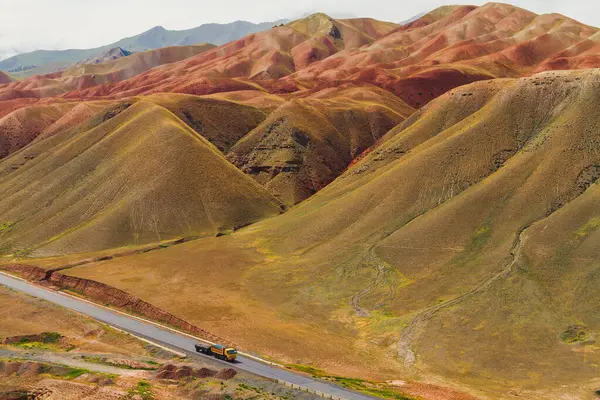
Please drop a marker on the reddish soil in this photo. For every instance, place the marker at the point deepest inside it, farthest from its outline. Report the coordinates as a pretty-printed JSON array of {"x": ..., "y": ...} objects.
[
  {"x": 176, "y": 372},
  {"x": 448, "y": 47}
]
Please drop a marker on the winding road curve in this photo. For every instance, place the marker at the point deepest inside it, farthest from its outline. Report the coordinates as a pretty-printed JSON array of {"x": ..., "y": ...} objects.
[{"x": 172, "y": 339}]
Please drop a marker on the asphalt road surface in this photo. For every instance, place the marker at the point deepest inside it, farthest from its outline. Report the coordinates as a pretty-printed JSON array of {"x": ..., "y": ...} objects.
[{"x": 172, "y": 339}]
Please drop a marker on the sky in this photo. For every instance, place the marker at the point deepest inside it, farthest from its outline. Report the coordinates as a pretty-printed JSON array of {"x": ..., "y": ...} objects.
[{"x": 27, "y": 25}]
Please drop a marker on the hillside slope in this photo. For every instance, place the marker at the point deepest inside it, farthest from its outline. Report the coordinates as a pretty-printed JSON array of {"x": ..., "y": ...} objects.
[
  {"x": 437, "y": 217},
  {"x": 109, "y": 55},
  {"x": 6, "y": 78},
  {"x": 419, "y": 61},
  {"x": 22, "y": 126},
  {"x": 435, "y": 254},
  {"x": 133, "y": 175},
  {"x": 307, "y": 142},
  {"x": 83, "y": 76},
  {"x": 455, "y": 45},
  {"x": 254, "y": 59}
]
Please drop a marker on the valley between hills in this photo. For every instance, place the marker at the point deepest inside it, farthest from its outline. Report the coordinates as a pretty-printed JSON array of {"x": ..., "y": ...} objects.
[{"x": 409, "y": 210}]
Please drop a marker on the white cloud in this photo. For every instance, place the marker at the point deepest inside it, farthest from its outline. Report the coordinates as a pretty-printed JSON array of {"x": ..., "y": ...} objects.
[{"x": 26, "y": 25}]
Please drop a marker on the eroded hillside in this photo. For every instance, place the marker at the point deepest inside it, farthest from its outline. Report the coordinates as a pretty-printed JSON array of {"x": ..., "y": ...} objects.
[
  {"x": 422, "y": 197},
  {"x": 429, "y": 247}
]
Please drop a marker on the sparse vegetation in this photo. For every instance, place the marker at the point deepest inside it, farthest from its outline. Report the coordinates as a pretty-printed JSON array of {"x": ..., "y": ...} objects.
[
  {"x": 360, "y": 385},
  {"x": 51, "y": 337},
  {"x": 6, "y": 226},
  {"x": 23, "y": 253},
  {"x": 574, "y": 334},
  {"x": 143, "y": 389},
  {"x": 588, "y": 228},
  {"x": 45, "y": 341},
  {"x": 73, "y": 373},
  {"x": 481, "y": 207}
]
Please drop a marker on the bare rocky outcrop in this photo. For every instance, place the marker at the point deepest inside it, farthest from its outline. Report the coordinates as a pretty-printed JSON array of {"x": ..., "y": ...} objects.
[{"x": 28, "y": 272}]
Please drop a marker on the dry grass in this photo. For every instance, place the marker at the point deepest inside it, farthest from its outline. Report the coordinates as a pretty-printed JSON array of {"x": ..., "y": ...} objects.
[
  {"x": 22, "y": 126},
  {"x": 308, "y": 142},
  {"x": 24, "y": 315},
  {"x": 127, "y": 67},
  {"x": 142, "y": 173},
  {"x": 424, "y": 219}
]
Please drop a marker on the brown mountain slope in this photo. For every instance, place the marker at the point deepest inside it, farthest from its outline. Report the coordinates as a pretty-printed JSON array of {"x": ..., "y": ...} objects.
[
  {"x": 454, "y": 46},
  {"x": 140, "y": 176},
  {"x": 19, "y": 128},
  {"x": 446, "y": 48},
  {"x": 306, "y": 143},
  {"x": 434, "y": 256},
  {"x": 292, "y": 147},
  {"x": 301, "y": 146},
  {"x": 439, "y": 209},
  {"x": 261, "y": 56},
  {"x": 127, "y": 67},
  {"x": 83, "y": 76},
  {"x": 6, "y": 78},
  {"x": 221, "y": 121}
]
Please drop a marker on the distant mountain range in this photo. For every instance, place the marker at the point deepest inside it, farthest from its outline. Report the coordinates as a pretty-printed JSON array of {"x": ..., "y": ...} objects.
[
  {"x": 106, "y": 56},
  {"x": 46, "y": 61}
]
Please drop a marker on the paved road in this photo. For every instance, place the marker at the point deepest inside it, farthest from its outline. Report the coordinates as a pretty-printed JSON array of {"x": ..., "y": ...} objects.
[{"x": 171, "y": 338}]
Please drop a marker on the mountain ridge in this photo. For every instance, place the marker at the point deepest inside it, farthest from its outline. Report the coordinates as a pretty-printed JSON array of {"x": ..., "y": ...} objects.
[
  {"x": 423, "y": 197},
  {"x": 153, "y": 38}
]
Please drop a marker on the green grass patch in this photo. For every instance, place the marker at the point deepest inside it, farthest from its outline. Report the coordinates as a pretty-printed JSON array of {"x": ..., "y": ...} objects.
[
  {"x": 574, "y": 334},
  {"x": 480, "y": 237},
  {"x": 75, "y": 373},
  {"x": 47, "y": 341},
  {"x": 35, "y": 345},
  {"x": 51, "y": 337},
  {"x": 143, "y": 389},
  {"x": 588, "y": 227},
  {"x": 6, "y": 226},
  {"x": 473, "y": 248},
  {"x": 248, "y": 387},
  {"x": 22, "y": 253},
  {"x": 359, "y": 385}
]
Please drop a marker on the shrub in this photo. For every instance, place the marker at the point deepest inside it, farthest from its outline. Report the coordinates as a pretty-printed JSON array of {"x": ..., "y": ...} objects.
[{"x": 51, "y": 337}]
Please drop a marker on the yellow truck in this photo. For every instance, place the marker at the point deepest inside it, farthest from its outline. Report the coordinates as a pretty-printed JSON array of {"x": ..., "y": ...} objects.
[{"x": 218, "y": 351}]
